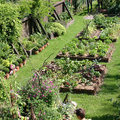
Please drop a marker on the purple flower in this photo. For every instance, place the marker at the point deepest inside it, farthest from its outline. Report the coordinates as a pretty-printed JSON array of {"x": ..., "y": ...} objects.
[{"x": 50, "y": 91}]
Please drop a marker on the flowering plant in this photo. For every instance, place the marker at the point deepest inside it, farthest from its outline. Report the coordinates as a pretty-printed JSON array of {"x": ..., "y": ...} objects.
[{"x": 12, "y": 66}]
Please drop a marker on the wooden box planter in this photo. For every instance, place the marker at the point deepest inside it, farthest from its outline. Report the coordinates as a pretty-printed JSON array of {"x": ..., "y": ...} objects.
[
  {"x": 88, "y": 89},
  {"x": 107, "y": 58},
  {"x": 95, "y": 33}
]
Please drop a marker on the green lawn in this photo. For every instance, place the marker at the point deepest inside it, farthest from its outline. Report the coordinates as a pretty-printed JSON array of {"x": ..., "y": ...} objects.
[{"x": 55, "y": 46}]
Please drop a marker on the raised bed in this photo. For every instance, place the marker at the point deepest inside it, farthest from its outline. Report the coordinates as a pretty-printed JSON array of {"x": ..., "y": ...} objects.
[
  {"x": 88, "y": 89},
  {"x": 94, "y": 34},
  {"x": 107, "y": 58}
]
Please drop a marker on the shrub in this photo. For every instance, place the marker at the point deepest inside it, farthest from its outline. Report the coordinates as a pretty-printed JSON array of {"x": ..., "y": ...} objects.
[
  {"x": 16, "y": 63},
  {"x": 10, "y": 25},
  {"x": 6, "y": 70},
  {"x": 35, "y": 49},
  {"x": 23, "y": 57},
  {"x": 58, "y": 29},
  {"x": 19, "y": 60}
]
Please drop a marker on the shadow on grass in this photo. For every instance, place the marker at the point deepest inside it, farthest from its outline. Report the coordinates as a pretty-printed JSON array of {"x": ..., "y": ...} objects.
[
  {"x": 109, "y": 85},
  {"x": 105, "y": 117}
]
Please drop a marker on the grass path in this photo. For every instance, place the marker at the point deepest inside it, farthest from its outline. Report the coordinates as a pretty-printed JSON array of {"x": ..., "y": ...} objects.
[
  {"x": 100, "y": 107},
  {"x": 55, "y": 46}
]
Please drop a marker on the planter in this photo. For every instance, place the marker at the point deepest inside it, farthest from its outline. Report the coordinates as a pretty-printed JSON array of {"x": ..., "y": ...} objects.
[
  {"x": 88, "y": 89},
  {"x": 24, "y": 62},
  {"x": 17, "y": 67},
  {"x": 40, "y": 49},
  {"x": 7, "y": 75},
  {"x": 45, "y": 46},
  {"x": 47, "y": 43},
  {"x": 36, "y": 52},
  {"x": 21, "y": 64},
  {"x": 14, "y": 71},
  {"x": 106, "y": 58}
]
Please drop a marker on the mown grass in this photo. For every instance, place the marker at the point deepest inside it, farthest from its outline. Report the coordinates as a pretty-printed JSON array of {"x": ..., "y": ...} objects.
[
  {"x": 36, "y": 61},
  {"x": 100, "y": 106}
]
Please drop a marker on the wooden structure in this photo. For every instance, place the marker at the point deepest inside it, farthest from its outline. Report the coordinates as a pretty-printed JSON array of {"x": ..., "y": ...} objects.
[{"x": 59, "y": 8}]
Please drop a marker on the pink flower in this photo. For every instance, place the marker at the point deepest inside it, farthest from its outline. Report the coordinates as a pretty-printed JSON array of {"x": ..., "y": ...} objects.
[{"x": 50, "y": 91}]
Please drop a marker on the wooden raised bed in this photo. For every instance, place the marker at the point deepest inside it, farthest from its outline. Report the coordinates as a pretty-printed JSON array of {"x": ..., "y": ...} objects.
[
  {"x": 95, "y": 33},
  {"x": 107, "y": 58},
  {"x": 88, "y": 89}
]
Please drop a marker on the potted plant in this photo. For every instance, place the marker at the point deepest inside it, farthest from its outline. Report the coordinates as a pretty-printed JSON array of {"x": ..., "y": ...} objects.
[
  {"x": 20, "y": 62},
  {"x": 24, "y": 59},
  {"x": 6, "y": 71},
  {"x": 12, "y": 68},
  {"x": 39, "y": 47},
  {"x": 35, "y": 50},
  {"x": 16, "y": 65}
]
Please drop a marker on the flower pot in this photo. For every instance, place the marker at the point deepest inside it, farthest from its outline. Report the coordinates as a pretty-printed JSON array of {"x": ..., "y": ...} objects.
[
  {"x": 21, "y": 64},
  {"x": 13, "y": 71},
  {"x": 7, "y": 75},
  {"x": 24, "y": 62},
  {"x": 40, "y": 49},
  {"x": 36, "y": 52},
  {"x": 45, "y": 45},
  {"x": 17, "y": 67}
]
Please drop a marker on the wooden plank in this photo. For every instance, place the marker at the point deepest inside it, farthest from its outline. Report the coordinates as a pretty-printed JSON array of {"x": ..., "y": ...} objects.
[
  {"x": 44, "y": 32},
  {"x": 68, "y": 10},
  {"x": 16, "y": 51},
  {"x": 59, "y": 3},
  {"x": 57, "y": 15},
  {"x": 23, "y": 49}
]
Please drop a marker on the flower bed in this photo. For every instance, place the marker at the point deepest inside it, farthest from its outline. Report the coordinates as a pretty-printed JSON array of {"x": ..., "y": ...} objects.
[{"x": 88, "y": 49}]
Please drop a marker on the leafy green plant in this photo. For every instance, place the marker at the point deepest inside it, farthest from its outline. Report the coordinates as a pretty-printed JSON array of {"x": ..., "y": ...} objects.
[
  {"x": 19, "y": 60},
  {"x": 23, "y": 57},
  {"x": 10, "y": 25},
  {"x": 16, "y": 63},
  {"x": 6, "y": 70},
  {"x": 57, "y": 29}
]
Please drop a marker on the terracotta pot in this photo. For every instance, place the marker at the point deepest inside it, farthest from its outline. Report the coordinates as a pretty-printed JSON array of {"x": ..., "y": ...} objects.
[
  {"x": 24, "y": 62},
  {"x": 17, "y": 67},
  {"x": 7, "y": 75},
  {"x": 40, "y": 49},
  {"x": 13, "y": 71},
  {"x": 43, "y": 47},
  {"x": 47, "y": 43},
  {"x": 36, "y": 52},
  {"x": 21, "y": 64}
]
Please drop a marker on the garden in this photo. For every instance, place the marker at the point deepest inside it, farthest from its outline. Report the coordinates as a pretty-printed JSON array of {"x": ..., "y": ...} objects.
[{"x": 57, "y": 56}]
